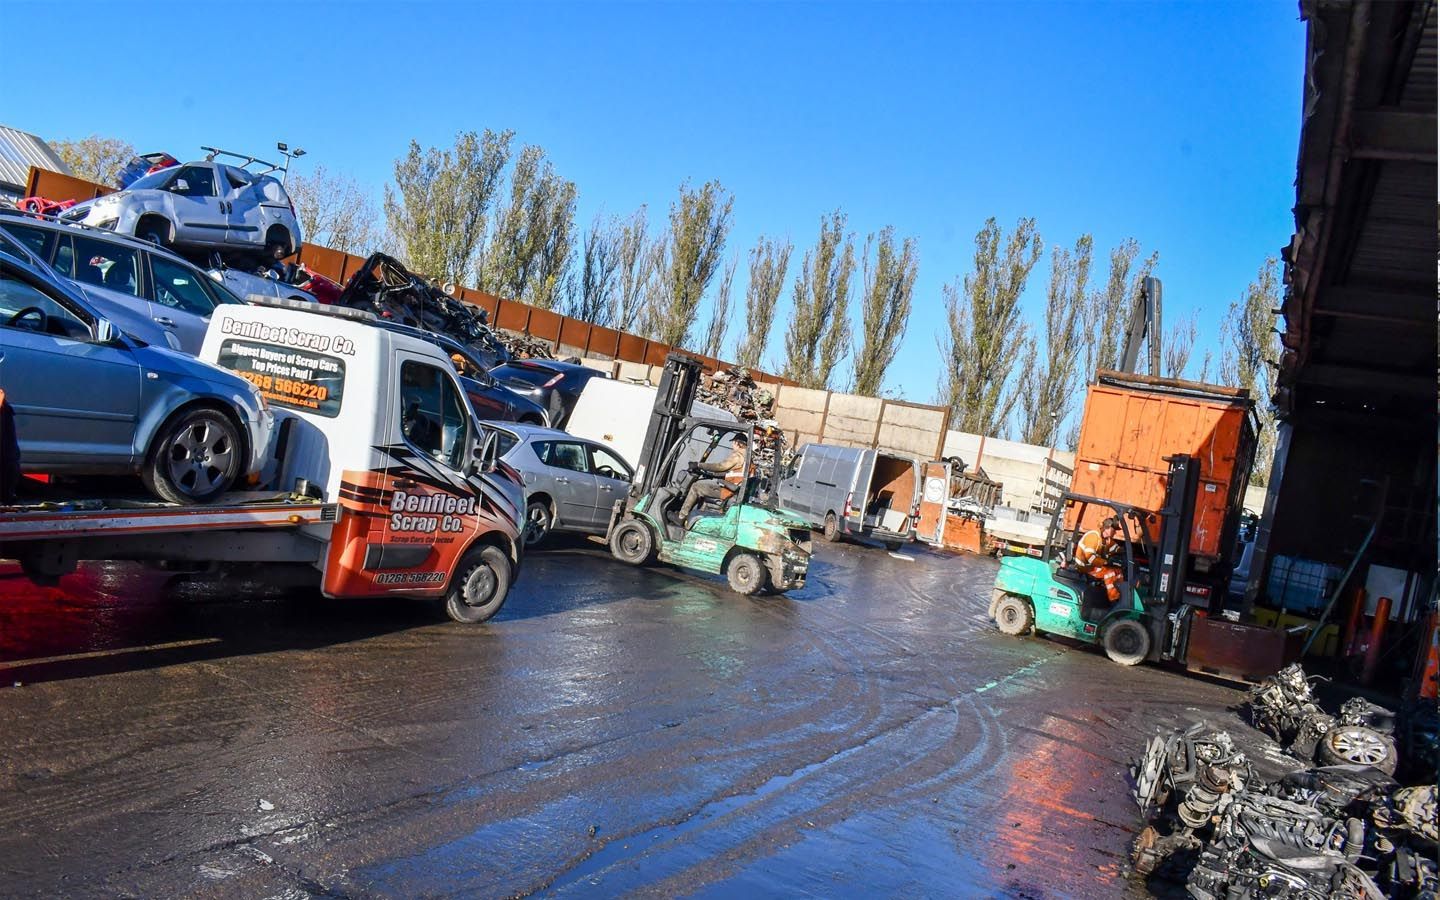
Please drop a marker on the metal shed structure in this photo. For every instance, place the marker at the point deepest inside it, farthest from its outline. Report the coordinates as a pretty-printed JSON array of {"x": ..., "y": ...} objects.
[
  {"x": 19, "y": 150},
  {"x": 1357, "y": 380}
]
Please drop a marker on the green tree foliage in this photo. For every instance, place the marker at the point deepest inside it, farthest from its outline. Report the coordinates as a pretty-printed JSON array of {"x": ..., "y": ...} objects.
[
  {"x": 334, "y": 211},
  {"x": 720, "y": 311},
  {"x": 889, "y": 281},
  {"x": 1047, "y": 384},
  {"x": 528, "y": 255},
  {"x": 1250, "y": 348},
  {"x": 95, "y": 158},
  {"x": 986, "y": 336},
  {"x": 439, "y": 206},
  {"x": 686, "y": 260},
  {"x": 819, "y": 329},
  {"x": 768, "y": 261}
]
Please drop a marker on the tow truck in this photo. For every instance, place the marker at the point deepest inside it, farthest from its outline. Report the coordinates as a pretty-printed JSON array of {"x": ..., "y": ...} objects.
[
  {"x": 755, "y": 544},
  {"x": 393, "y": 486}
]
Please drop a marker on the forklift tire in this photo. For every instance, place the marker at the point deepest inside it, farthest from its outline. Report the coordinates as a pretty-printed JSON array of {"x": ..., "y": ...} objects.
[
  {"x": 478, "y": 588},
  {"x": 832, "y": 528},
  {"x": 1127, "y": 642},
  {"x": 632, "y": 542},
  {"x": 746, "y": 574},
  {"x": 1014, "y": 615}
]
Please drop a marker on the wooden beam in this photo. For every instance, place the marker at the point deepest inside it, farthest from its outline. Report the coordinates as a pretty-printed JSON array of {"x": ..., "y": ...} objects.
[
  {"x": 1382, "y": 306},
  {"x": 1391, "y": 134}
]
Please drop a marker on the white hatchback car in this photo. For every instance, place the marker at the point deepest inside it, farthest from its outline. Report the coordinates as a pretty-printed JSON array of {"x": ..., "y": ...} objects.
[{"x": 205, "y": 204}]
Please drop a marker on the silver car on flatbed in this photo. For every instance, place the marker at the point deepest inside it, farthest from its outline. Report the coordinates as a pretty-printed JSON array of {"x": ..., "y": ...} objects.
[{"x": 571, "y": 484}]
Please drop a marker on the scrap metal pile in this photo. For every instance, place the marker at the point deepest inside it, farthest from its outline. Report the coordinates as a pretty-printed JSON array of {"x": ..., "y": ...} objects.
[
  {"x": 735, "y": 391},
  {"x": 1332, "y": 831},
  {"x": 524, "y": 346},
  {"x": 386, "y": 288}
]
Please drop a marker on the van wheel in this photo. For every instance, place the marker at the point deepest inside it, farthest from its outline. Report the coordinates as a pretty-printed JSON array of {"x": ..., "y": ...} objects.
[
  {"x": 745, "y": 574},
  {"x": 1014, "y": 616},
  {"x": 155, "y": 231},
  {"x": 631, "y": 542},
  {"x": 831, "y": 532},
  {"x": 479, "y": 586},
  {"x": 1126, "y": 642},
  {"x": 892, "y": 546},
  {"x": 195, "y": 458}
]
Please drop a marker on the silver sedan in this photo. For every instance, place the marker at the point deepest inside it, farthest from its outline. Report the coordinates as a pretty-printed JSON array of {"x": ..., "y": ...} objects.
[{"x": 571, "y": 484}]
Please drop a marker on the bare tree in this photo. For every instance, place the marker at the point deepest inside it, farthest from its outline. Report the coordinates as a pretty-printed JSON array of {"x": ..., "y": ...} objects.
[
  {"x": 689, "y": 256},
  {"x": 440, "y": 204},
  {"x": 889, "y": 280},
  {"x": 768, "y": 262},
  {"x": 819, "y": 329},
  {"x": 95, "y": 158},
  {"x": 1108, "y": 311},
  {"x": 1179, "y": 346},
  {"x": 1048, "y": 385},
  {"x": 594, "y": 301},
  {"x": 720, "y": 310},
  {"x": 1249, "y": 350},
  {"x": 527, "y": 255},
  {"x": 986, "y": 335},
  {"x": 634, "y": 269},
  {"x": 334, "y": 211}
]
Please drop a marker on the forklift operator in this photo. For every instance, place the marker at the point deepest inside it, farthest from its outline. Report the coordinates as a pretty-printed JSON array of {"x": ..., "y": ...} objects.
[
  {"x": 731, "y": 469},
  {"x": 1094, "y": 555}
]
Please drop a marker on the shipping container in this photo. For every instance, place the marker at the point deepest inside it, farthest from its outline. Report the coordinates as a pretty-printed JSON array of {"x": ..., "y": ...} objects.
[{"x": 1133, "y": 422}]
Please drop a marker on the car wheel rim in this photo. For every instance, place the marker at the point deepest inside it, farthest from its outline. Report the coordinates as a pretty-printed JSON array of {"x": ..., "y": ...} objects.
[
  {"x": 199, "y": 457},
  {"x": 539, "y": 525},
  {"x": 1358, "y": 746},
  {"x": 480, "y": 586}
]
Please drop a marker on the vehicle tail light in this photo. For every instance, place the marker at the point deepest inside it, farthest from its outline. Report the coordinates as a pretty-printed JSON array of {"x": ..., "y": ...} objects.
[
  {"x": 849, "y": 506},
  {"x": 554, "y": 381}
]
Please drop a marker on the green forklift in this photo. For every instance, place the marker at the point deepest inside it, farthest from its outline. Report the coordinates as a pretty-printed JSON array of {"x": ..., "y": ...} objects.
[
  {"x": 1152, "y": 618},
  {"x": 757, "y": 546}
]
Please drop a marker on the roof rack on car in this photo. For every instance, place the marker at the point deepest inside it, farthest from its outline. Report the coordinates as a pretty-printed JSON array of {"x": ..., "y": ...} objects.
[
  {"x": 319, "y": 309},
  {"x": 212, "y": 152}
]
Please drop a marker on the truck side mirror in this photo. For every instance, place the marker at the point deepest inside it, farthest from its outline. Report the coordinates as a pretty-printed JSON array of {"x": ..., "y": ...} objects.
[{"x": 487, "y": 453}]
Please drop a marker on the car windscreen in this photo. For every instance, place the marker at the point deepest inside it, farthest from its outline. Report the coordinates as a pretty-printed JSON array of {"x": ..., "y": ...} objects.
[
  {"x": 523, "y": 374},
  {"x": 153, "y": 180}
]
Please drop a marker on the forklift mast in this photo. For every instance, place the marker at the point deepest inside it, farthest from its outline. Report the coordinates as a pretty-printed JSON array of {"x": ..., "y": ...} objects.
[
  {"x": 679, "y": 382},
  {"x": 1172, "y": 552}
]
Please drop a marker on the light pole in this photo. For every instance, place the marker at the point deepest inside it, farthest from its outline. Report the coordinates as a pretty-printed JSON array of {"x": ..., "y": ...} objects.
[{"x": 289, "y": 154}]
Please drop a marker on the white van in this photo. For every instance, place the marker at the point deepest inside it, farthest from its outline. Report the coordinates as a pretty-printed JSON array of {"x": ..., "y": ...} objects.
[
  {"x": 854, "y": 491},
  {"x": 618, "y": 412}
]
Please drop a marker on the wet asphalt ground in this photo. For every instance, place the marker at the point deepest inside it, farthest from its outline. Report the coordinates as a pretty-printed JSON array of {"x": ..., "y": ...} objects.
[{"x": 612, "y": 731}]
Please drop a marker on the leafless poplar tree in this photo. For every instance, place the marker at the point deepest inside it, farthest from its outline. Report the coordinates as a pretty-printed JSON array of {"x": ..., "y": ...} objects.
[
  {"x": 819, "y": 329},
  {"x": 889, "y": 281},
  {"x": 768, "y": 261},
  {"x": 1047, "y": 383},
  {"x": 335, "y": 211},
  {"x": 720, "y": 310}
]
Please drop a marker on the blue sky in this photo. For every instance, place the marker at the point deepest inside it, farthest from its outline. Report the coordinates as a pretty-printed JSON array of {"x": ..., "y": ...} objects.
[{"x": 1174, "y": 123}]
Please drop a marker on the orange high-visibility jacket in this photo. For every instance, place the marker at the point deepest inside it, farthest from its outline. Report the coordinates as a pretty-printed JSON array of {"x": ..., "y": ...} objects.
[{"x": 1093, "y": 551}]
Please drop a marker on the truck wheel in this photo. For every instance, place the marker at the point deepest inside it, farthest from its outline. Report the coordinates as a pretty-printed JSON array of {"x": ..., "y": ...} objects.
[
  {"x": 832, "y": 528},
  {"x": 1356, "y": 745},
  {"x": 1126, "y": 641},
  {"x": 1014, "y": 615},
  {"x": 538, "y": 522},
  {"x": 479, "y": 586},
  {"x": 745, "y": 574},
  {"x": 194, "y": 458},
  {"x": 631, "y": 542},
  {"x": 893, "y": 546}
]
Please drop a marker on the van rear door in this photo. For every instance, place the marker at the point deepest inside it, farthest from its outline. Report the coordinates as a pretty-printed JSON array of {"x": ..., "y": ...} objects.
[{"x": 860, "y": 493}]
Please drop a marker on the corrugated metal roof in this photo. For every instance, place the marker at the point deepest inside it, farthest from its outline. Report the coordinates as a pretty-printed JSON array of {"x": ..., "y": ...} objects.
[{"x": 19, "y": 151}]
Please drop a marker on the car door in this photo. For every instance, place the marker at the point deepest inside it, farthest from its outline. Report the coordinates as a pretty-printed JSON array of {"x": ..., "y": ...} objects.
[
  {"x": 75, "y": 400},
  {"x": 567, "y": 466},
  {"x": 180, "y": 301},
  {"x": 199, "y": 215},
  {"x": 242, "y": 205},
  {"x": 612, "y": 480}
]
